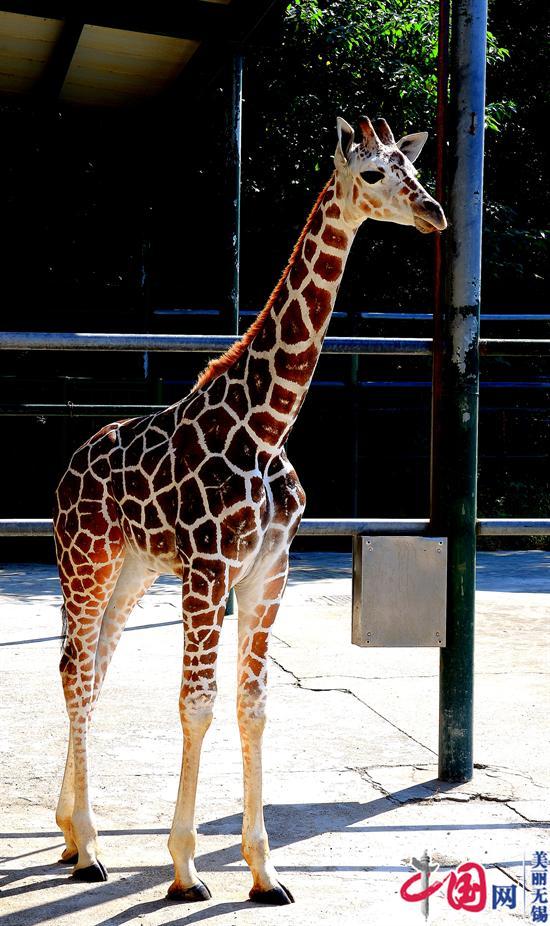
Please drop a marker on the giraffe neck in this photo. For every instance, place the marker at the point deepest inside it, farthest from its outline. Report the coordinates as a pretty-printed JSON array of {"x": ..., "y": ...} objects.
[{"x": 278, "y": 364}]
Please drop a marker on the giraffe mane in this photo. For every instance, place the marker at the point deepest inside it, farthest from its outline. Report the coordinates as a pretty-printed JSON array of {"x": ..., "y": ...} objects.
[{"x": 218, "y": 366}]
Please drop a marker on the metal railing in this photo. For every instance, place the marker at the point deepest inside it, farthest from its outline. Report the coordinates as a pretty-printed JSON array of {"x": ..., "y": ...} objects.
[
  {"x": 312, "y": 527},
  {"x": 335, "y": 527},
  {"x": 216, "y": 343}
]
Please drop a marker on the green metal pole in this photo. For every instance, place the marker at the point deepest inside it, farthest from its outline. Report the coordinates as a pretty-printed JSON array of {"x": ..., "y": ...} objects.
[
  {"x": 456, "y": 389},
  {"x": 354, "y": 386},
  {"x": 233, "y": 134}
]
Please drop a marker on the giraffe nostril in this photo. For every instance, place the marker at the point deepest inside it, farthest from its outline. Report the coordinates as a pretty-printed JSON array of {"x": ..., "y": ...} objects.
[{"x": 432, "y": 207}]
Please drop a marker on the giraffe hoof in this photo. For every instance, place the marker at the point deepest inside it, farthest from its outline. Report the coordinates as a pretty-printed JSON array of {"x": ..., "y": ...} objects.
[
  {"x": 92, "y": 874},
  {"x": 68, "y": 857},
  {"x": 188, "y": 894},
  {"x": 276, "y": 897}
]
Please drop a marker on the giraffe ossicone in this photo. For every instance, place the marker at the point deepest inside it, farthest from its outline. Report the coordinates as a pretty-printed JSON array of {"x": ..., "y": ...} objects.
[{"x": 204, "y": 490}]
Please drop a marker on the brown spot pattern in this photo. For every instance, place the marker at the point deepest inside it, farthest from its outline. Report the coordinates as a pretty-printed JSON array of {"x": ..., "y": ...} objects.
[
  {"x": 293, "y": 329},
  {"x": 334, "y": 237},
  {"x": 328, "y": 266},
  {"x": 296, "y": 367},
  {"x": 319, "y": 304}
]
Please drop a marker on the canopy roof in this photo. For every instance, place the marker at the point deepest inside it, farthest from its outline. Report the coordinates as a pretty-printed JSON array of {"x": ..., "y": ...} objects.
[{"x": 106, "y": 55}]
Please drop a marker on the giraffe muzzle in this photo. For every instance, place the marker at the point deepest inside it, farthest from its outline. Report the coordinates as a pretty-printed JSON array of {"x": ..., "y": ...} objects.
[{"x": 429, "y": 217}]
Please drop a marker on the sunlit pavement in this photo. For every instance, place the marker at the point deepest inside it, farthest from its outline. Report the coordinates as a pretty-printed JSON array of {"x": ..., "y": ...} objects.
[{"x": 351, "y": 784}]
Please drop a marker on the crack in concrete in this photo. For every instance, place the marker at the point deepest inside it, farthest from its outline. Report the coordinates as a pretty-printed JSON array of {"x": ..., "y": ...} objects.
[
  {"x": 522, "y": 815},
  {"x": 436, "y": 796},
  {"x": 280, "y": 640},
  {"x": 299, "y": 683},
  {"x": 465, "y": 797},
  {"x": 513, "y": 771},
  {"x": 378, "y": 786}
]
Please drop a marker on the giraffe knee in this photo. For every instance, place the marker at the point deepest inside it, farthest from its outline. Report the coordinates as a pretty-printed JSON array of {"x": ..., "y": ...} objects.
[
  {"x": 251, "y": 714},
  {"x": 197, "y": 707}
]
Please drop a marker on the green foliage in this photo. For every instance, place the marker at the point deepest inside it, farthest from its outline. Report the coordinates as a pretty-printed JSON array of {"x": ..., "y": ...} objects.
[
  {"x": 379, "y": 57},
  {"x": 395, "y": 38},
  {"x": 497, "y": 114},
  {"x": 394, "y": 41}
]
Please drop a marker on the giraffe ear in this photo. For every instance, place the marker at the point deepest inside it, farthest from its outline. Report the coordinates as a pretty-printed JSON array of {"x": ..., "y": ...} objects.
[
  {"x": 411, "y": 145},
  {"x": 345, "y": 141}
]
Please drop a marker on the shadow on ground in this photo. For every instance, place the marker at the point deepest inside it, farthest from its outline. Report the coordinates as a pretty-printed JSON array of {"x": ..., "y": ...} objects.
[{"x": 286, "y": 823}]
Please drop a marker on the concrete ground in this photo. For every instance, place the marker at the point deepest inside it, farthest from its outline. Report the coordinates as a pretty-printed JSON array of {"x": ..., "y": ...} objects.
[{"x": 351, "y": 784}]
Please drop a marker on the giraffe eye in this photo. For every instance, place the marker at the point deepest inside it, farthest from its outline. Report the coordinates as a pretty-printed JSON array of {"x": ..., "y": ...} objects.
[{"x": 371, "y": 176}]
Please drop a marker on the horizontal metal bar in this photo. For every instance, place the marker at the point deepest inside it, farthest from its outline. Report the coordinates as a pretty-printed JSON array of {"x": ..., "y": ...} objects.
[
  {"x": 217, "y": 313},
  {"x": 98, "y": 410},
  {"x": 366, "y": 316},
  {"x": 353, "y": 527},
  {"x": 514, "y": 347},
  {"x": 213, "y": 343},
  {"x": 70, "y": 409},
  {"x": 424, "y": 384},
  {"x": 26, "y": 527},
  {"x": 41, "y": 527},
  {"x": 334, "y": 527},
  {"x": 428, "y": 316},
  {"x": 513, "y": 527}
]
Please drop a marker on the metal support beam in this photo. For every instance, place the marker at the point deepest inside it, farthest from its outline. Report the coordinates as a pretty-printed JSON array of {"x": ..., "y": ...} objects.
[
  {"x": 456, "y": 385},
  {"x": 55, "y": 70}
]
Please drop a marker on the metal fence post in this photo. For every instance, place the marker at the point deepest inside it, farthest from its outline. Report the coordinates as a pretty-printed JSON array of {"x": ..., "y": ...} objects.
[{"x": 456, "y": 385}]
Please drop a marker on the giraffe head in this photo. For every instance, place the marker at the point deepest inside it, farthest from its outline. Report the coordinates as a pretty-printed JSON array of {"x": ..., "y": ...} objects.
[{"x": 378, "y": 180}]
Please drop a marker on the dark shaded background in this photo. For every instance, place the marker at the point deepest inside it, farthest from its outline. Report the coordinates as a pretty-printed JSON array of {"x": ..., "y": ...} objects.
[{"x": 115, "y": 221}]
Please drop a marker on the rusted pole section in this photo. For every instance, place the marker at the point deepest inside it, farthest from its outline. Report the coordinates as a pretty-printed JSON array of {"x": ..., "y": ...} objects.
[
  {"x": 234, "y": 120},
  {"x": 456, "y": 390}
]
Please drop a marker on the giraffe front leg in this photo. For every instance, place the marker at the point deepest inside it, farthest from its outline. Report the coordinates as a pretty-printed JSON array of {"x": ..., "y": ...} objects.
[
  {"x": 258, "y": 599},
  {"x": 202, "y": 623}
]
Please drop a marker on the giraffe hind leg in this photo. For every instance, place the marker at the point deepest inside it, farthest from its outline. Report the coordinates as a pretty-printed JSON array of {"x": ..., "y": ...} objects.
[
  {"x": 133, "y": 580},
  {"x": 87, "y": 588}
]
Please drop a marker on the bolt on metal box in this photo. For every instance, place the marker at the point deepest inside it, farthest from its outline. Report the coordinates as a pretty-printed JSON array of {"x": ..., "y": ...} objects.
[{"x": 399, "y": 591}]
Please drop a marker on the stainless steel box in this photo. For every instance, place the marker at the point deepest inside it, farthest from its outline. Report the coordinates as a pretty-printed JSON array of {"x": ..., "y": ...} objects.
[{"x": 399, "y": 591}]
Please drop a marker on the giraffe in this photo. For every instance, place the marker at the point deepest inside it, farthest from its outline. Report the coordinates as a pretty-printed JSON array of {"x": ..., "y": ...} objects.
[{"x": 204, "y": 490}]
